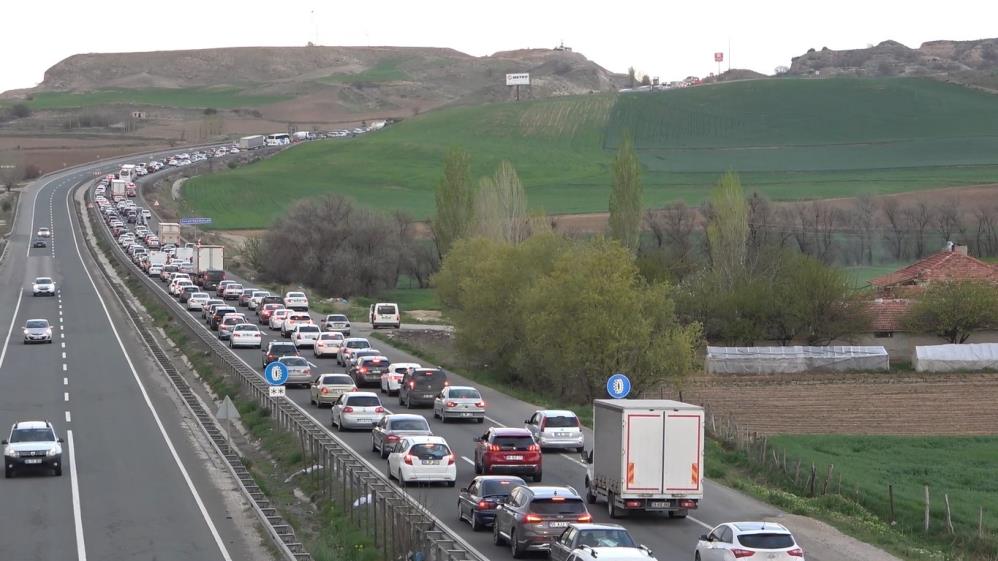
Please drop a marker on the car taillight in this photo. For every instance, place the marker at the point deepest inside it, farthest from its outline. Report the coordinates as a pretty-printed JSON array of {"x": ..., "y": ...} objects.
[
  {"x": 483, "y": 504},
  {"x": 480, "y": 404},
  {"x": 363, "y": 370},
  {"x": 348, "y": 409},
  {"x": 739, "y": 553},
  {"x": 412, "y": 384},
  {"x": 534, "y": 448},
  {"x": 451, "y": 459},
  {"x": 451, "y": 404},
  {"x": 408, "y": 459},
  {"x": 392, "y": 438},
  {"x": 353, "y": 389},
  {"x": 533, "y": 518},
  {"x": 796, "y": 552},
  {"x": 379, "y": 409},
  {"x": 585, "y": 517},
  {"x": 324, "y": 391},
  {"x": 493, "y": 447}
]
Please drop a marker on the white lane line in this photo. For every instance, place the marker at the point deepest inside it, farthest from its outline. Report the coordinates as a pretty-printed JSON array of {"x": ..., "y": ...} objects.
[
  {"x": 705, "y": 525},
  {"x": 20, "y": 293},
  {"x": 69, "y": 418},
  {"x": 63, "y": 346},
  {"x": 62, "y": 335},
  {"x": 65, "y": 396},
  {"x": 65, "y": 381},
  {"x": 81, "y": 547},
  {"x": 60, "y": 320},
  {"x": 145, "y": 395},
  {"x": 63, "y": 356},
  {"x": 64, "y": 367},
  {"x": 470, "y": 461}
]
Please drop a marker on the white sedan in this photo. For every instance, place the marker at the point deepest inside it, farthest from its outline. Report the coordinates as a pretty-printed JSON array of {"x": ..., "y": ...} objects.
[
  {"x": 196, "y": 301},
  {"x": 246, "y": 335},
  {"x": 391, "y": 381},
  {"x": 327, "y": 344},
  {"x": 459, "y": 402},
  {"x": 355, "y": 410},
  {"x": 296, "y": 301},
  {"x": 422, "y": 458},
  {"x": 304, "y": 335},
  {"x": 277, "y": 318},
  {"x": 44, "y": 233}
]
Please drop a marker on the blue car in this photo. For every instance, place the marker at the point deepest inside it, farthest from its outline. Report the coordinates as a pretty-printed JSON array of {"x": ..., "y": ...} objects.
[{"x": 478, "y": 502}]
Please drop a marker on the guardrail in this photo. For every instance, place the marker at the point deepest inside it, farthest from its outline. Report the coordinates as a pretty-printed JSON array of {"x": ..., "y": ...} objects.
[{"x": 396, "y": 521}]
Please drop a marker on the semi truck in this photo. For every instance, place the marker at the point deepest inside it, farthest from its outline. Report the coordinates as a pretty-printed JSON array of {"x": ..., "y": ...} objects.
[
  {"x": 119, "y": 188},
  {"x": 208, "y": 258},
  {"x": 647, "y": 456},
  {"x": 251, "y": 142},
  {"x": 169, "y": 232}
]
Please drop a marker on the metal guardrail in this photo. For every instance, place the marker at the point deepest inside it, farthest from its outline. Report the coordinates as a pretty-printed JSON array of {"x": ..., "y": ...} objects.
[{"x": 395, "y": 520}]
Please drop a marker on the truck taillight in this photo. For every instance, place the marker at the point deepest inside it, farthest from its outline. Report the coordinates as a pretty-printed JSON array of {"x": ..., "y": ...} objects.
[
  {"x": 632, "y": 504},
  {"x": 687, "y": 503},
  {"x": 740, "y": 553}
]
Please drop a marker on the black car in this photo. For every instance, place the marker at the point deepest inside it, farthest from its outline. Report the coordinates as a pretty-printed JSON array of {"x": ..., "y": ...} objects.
[
  {"x": 39, "y": 243},
  {"x": 478, "y": 502},
  {"x": 277, "y": 349},
  {"x": 220, "y": 312},
  {"x": 421, "y": 386}
]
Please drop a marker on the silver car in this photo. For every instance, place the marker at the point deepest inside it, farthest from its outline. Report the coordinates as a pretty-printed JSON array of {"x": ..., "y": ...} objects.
[
  {"x": 299, "y": 370},
  {"x": 357, "y": 410},
  {"x": 556, "y": 429},
  {"x": 459, "y": 402},
  {"x": 44, "y": 286},
  {"x": 37, "y": 331},
  {"x": 392, "y": 428}
]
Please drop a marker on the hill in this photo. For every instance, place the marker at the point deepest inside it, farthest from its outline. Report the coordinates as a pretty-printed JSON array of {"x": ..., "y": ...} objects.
[
  {"x": 792, "y": 139},
  {"x": 969, "y": 62}
]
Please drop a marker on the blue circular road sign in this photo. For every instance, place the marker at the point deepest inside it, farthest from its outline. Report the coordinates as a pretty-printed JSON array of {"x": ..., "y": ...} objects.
[
  {"x": 276, "y": 373},
  {"x": 618, "y": 386}
]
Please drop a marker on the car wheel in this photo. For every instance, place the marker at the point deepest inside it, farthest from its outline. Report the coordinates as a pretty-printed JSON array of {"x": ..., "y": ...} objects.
[
  {"x": 514, "y": 546},
  {"x": 537, "y": 476},
  {"x": 339, "y": 425},
  {"x": 478, "y": 467},
  {"x": 402, "y": 482},
  {"x": 57, "y": 471},
  {"x": 481, "y": 420},
  {"x": 8, "y": 473},
  {"x": 590, "y": 495},
  {"x": 611, "y": 507},
  {"x": 374, "y": 447},
  {"x": 476, "y": 524},
  {"x": 497, "y": 538}
]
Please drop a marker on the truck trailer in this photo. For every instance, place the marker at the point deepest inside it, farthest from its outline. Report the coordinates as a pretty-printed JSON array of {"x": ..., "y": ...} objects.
[
  {"x": 251, "y": 142},
  {"x": 208, "y": 258},
  {"x": 119, "y": 188},
  {"x": 647, "y": 456},
  {"x": 169, "y": 232}
]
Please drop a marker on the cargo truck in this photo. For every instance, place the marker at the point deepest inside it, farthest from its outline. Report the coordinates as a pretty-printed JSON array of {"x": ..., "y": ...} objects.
[
  {"x": 169, "y": 232},
  {"x": 251, "y": 142},
  {"x": 119, "y": 188},
  {"x": 208, "y": 258},
  {"x": 647, "y": 456},
  {"x": 157, "y": 258},
  {"x": 185, "y": 254}
]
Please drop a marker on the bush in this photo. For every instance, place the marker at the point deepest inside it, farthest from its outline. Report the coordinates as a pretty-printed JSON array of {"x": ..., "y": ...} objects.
[
  {"x": 32, "y": 171},
  {"x": 20, "y": 110}
]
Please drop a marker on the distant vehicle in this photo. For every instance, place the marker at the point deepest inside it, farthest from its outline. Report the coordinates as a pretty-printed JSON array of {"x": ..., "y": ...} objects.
[
  {"x": 743, "y": 540},
  {"x": 459, "y": 402},
  {"x": 277, "y": 318},
  {"x": 43, "y": 286},
  {"x": 197, "y": 301},
  {"x": 266, "y": 310},
  {"x": 232, "y": 291},
  {"x": 326, "y": 344},
  {"x": 392, "y": 428},
  {"x": 369, "y": 369},
  {"x": 130, "y": 190},
  {"x": 479, "y": 501},
  {"x": 357, "y": 410},
  {"x": 299, "y": 371},
  {"x": 228, "y": 324},
  {"x": 278, "y": 139},
  {"x": 556, "y": 429},
  {"x": 44, "y": 233},
  {"x": 421, "y": 386},
  {"x": 392, "y": 380},
  {"x": 119, "y": 188},
  {"x": 169, "y": 232},
  {"x": 296, "y": 301},
  {"x": 349, "y": 346},
  {"x": 300, "y": 136},
  {"x": 254, "y": 300},
  {"x": 304, "y": 335},
  {"x": 385, "y": 315},
  {"x": 209, "y": 258},
  {"x": 246, "y": 335},
  {"x": 508, "y": 450},
  {"x": 423, "y": 458},
  {"x": 534, "y": 517},
  {"x": 277, "y": 349},
  {"x": 336, "y": 322},
  {"x": 39, "y": 242},
  {"x": 32, "y": 445},
  {"x": 37, "y": 331}
]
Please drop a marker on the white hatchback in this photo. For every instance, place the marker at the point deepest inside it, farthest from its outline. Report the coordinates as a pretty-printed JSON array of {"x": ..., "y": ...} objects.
[
  {"x": 391, "y": 381},
  {"x": 357, "y": 410},
  {"x": 737, "y": 540},
  {"x": 422, "y": 458},
  {"x": 246, "y": 335}
]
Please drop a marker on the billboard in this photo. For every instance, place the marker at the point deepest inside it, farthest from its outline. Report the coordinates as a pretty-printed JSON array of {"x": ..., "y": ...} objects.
[
  {"x": 718, "y": 57},
  {"x": 518, "y": 79}
]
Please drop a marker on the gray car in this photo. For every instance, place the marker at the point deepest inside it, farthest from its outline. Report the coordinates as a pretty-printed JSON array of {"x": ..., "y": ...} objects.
[
  {"x": 357, "y": 410},
  {"x": 299, "y": 370},
  {"x": 534, "y": 517},
  {"x": 391, "y": 428},
  {"x": 606, "y": 540},
  {"x": 37, "y": 331}
]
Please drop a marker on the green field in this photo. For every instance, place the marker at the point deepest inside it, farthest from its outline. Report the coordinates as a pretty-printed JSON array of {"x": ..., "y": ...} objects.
[
  {"x": 219, "y": 98},
  {"x": 386, "y": 70},
  {"x": 962, "y": 467},
  {"x": 790, "y": 139}
]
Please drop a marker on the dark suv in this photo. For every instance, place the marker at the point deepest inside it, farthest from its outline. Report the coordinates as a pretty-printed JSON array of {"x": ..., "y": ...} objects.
[
  {"x": 218, "y": 314},
  {"x": 421, "y": 386},
  {"x": 277, "y": 349},
  {"x": 533, "y": 517},
  {"x": 508, "y": 450}
]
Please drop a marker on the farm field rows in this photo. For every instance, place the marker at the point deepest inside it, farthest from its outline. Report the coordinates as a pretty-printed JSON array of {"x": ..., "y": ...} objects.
[{"x": 219, "y": 98}]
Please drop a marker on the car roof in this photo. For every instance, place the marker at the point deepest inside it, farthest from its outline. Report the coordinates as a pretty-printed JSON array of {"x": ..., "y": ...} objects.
[
  {"x": 426, "y": 439},
  {"x": 374, "y": 357},
  {"x": 31, "y": 425},
  {"x": 395, "y": 416},
  {"x": 497, "y": 477},
  {"x": 755, "y": 527},
  {"x": 357, "y": 339},
  {"x": 277, "y": 343},
  {"x": 347, "y": 376},
  {"x": 557, "y": 413},
  {"x": 367, "y": 394},
  {"x": 546, "y": 492},
  {"x": 36, "y": 319},
  {"x": 461, "y": 388},
  {"x": 509, "y": 431},
  {"x": 597, "y": 526}
]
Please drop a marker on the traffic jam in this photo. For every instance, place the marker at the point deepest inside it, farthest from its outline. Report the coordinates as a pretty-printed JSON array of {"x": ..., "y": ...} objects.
[{"x": 627, "y": 465}]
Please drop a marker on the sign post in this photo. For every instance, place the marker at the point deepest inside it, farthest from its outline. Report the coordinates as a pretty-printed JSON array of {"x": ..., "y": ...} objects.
[
  {"x": 276, "y": 374},
  {"x": 194, "y": 221},
  {"x": 517, "y": 80},
  {"x": 227, "y": 410},
  {"x": 618, "y": 386},
  {"x": 718, "y": 58}
]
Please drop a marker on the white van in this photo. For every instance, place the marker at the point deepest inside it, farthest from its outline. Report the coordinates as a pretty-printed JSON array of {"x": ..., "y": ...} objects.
[{"x": 384, "y": 314}]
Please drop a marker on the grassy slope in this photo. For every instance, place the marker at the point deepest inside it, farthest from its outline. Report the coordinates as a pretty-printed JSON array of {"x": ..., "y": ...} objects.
[
  {"x": 791, "y": 139},
  {"x": 220, "y": 98}
]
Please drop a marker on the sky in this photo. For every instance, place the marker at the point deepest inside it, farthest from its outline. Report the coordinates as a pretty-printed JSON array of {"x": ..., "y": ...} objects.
[{"x": 662, "y": 38}]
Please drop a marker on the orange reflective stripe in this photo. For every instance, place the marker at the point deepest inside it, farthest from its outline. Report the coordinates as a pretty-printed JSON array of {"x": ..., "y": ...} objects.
[
  {"x": 695, "y": 473},
  {"x": 630, "y": 473}
]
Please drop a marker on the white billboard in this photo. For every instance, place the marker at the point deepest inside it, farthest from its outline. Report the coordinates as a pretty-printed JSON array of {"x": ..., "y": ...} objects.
[{"x": 518, "y": 79}]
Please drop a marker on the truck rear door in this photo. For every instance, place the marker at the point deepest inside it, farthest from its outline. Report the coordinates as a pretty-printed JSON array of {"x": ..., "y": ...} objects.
[
  {"x": 644, "y": 444},
  {"x": 683, "y": 465}
]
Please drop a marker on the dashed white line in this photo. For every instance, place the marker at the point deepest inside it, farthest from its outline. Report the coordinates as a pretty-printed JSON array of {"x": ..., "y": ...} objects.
[
  {"x": 69, "y": 418},
  {"x": 81, "y": 549},
  {"x": 63, "y": 346},
  {"x": 65, "y": 367},
  {"x": 63, "y": 356},
  {"x": 65, "y": 396},
  {"x": 65, "y": 381},
  {"x": 467, "y": 459}
]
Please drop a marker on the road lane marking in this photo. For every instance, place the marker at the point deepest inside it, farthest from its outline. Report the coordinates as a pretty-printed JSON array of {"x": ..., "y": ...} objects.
[
  {"x": 65, "y": 381},
  {"x": 63, "y": 346},
  {"x": 69, "y": 418},
  {"x": 465, "y": 458},
  {"x": 20, "y": 293},
  {"x": 81, "y": 547},
  {"x": 704, "y": 524},
  {"x": 65, "y": 396},
  {"x": 63, "y": 356},
  {"x": 219, "y": 542},
  {"x": 65, "y": 367}
]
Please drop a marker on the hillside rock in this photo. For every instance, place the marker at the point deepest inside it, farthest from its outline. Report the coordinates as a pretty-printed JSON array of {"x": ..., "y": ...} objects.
[{"x": 973, "y": 62}]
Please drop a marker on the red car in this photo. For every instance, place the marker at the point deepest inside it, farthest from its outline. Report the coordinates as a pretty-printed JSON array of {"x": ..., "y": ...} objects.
[
  {"x": 507, "y": 450},
  {"x": 267, "y": 310}
]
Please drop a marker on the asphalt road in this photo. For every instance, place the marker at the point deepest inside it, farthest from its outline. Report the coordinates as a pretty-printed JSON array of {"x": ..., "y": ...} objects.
[
  {"x": 135, "y": 485},
  {"x": 670, "y": 539}
]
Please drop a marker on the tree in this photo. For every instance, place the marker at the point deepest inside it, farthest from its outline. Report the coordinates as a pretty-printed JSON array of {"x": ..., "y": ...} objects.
[
  {"x": 501, "y": 206},
  {"x": 727, "y": 229},
  {"x": 954, "y": 310},
  {"x": 821, "y": 303},
  {"x": 454, "y": 199},
  {"x": 625, "y": 197},
  {"x": 631, "y": 77},
  {"x": 917, "y": 219},
  {"x": 645, "y": 80},
  {"x": 896, "y": 235},
  {"x": 20, "y": 110}
]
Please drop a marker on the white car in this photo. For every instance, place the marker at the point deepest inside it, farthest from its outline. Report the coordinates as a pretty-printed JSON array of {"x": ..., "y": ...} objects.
[
  {"x": 254, "y": 301},
  {"x": 391, "y": 381},
  {"x": 178, "y": 286},
  {"x": 422, "y": 458},
  {"x": 327, "y": 344},
  {"x": 296, "y": 301},
  {"x": 304, "y": 335},
  {"x": 154, "y": 270},
  {"x": 738, "y": 540},
  {"x": 43, "y": 286},
  {"x": 232, "y": 291},
  {"x": 277, "y": 318},
  {"x": 349, "y": 346},
  {"x": 357, "y": 410},
  {"x": 246, "y": 335},
  {"x": 196, "y": 301},
  {"x": 44, "y": 233},
  {"x": 459, "y": 402}
]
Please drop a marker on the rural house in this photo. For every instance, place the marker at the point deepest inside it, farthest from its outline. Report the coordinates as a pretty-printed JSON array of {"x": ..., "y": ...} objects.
[{"x": 896, "y": 291}]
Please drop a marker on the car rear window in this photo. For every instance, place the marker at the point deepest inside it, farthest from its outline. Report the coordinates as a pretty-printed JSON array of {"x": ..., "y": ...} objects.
[
  {"x": 308, "y": 329},
  {"x": 330, "y": 337},
  {"x": 386, "y": 310},
  {"x": 561, "y": 421},
  {"x": 606, "y": 538},
  {"x": 429, "y": 379},
  {"x": 358, "y": 344},
  {"x": 296, "y": 295},
  {"x": 557, "y": 505},
  {"x": 214, "y": 275},
  {"x": 464, "y": 394},
  {"x": 294, "y": 361},
  {"x": 513, "y": 442},
  {"x": 500, "y": 487},
  {"x": 376, "y": 362},
  {"x": 401, "y": 369},
  {"x": 363, "y": 400},
  {"x": 282, "y": 347},
  {"x": 336, "y": 317},
  {"x": 766, "y": 541},
  {"x": 338, "y": 380},
  {"x": 234, "y": 287},
  {"x": 409, "y": 424},
  {"x": 429, "y": 451},
  {"x": 247, "y": 327}
]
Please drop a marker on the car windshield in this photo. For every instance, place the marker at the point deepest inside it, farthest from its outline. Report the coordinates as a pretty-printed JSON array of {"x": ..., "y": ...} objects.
[
  {"x": 308, "y": 329},
  {"x": 37, "y": 324},
  {"x": 409, "y": 424},
  {"x": 430, "y": 451},
  {"x": 338, "y": 380},
  {"x": 336, "y": 317},
  {"x": 364, "y": 401},
  {"x": 330, "y": 337},
  {"x": 32, "y": 435},
  {"x": 766, "y": 541},
  {"x": 499, "y": 487},
  {"x": 561, "y": 422},
  {"x": 294, "y": 361},
  {"x": 358, "y": 344},
  {"x": 557, "y": 505},
  {"x": 233, "y": 288},
  {"x": 386, "y": 310},
  {"x": 43, "y": 280},
  {"x": 259, "y": 294},
  {"x": 224, "y": 310},
  {"x": 513, "y": 442},
  {"x": 606, "y": 538},
  {"x": 464, "y": 393}
]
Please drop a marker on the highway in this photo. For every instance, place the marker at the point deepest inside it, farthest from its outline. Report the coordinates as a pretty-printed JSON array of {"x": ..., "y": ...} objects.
[
  {"x": 136, "y": 484},
  {"x": 670, "y": 539}
]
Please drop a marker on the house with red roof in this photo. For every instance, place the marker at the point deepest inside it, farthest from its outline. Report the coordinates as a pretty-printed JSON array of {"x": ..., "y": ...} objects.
[{"x": 895, "y": 293}]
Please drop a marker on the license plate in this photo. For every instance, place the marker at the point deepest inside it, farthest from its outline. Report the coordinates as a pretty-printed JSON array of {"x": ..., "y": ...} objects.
[
  {"x": 558, "y": 524},
  {"x": 514, "y": 457},
  {"x": 431, "y": 462},
  {"x": 465, "y": 414},
  {"x": 36, "y": 461},
  {"x": 659, "y": 504},
  {"x": 563, "y": 434}
]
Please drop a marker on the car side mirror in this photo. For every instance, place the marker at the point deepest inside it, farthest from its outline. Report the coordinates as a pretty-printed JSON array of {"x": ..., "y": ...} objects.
[
  {"x": 3, "y": 442},
  {"x": 527, "y": 421},
  {"x": 476, "y": 439},
  {"x": 59, "y": 440},
  {"x": 704, "y": 538}
]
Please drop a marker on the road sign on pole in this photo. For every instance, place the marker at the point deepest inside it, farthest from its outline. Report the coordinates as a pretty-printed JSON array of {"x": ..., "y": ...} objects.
[
  {"x": 227, "y": 410},
  {"x": 618, "y": 386},
  {"x": 277, "y": 391},
  {"x": 194, "y": 220},
  {"x": 276, "y": 373}
]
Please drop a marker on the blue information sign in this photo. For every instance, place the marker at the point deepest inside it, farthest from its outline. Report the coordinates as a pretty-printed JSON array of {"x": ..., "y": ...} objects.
[
  {"x": 276, "y": 373},
  {"x": 618, "y": 386},
  {"x": 194, "y": 220}
]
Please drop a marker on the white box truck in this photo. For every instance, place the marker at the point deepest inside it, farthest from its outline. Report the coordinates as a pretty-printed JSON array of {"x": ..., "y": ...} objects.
[
  {"x": 251, "y": 142},
  {"x": 157, "y": 258},
  {"x": 119, "y": 188},
  {"x": 185, "y": 254},
  {"x": 169, "y": 232},
  {"x": 647, "y": 456},
  {"x": 209, "y": 258}
]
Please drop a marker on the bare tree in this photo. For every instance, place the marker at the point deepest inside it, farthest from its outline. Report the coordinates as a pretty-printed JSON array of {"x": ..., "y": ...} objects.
[
  {"x": 917, "y": 220},
  {"x": 948, "y": 219},
  {"x": 816, "y": 226},
  {"x": 864, "y": 224},
  {"x": 895, "y": 233},
  {"x": 986, "y": 238}
]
